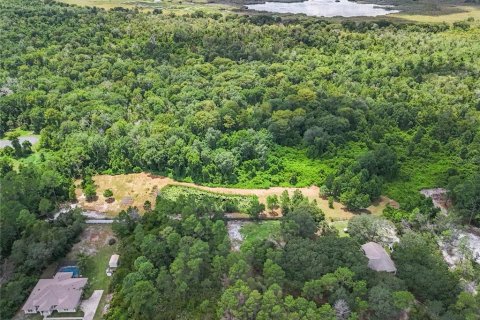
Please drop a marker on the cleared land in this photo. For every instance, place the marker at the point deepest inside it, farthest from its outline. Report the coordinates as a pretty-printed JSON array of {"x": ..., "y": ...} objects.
[
  {"x": 465, "y": 12},
  {"x": 134, "y": 189},
  {"x": 106, "y": 4}
]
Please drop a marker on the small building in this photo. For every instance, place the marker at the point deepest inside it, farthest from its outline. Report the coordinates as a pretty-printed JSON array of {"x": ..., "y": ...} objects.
[
  {"x": 378, "y": 258},
  {"x": 112, "y": 264},
  {"x": 62, "y": 294}
]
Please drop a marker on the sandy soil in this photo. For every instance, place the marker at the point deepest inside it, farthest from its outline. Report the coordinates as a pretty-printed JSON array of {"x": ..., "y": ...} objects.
[
  {"x": 134, "y": 189},
  {"x": 93, "y": 238},
  {"x": 439, "y": 198}
]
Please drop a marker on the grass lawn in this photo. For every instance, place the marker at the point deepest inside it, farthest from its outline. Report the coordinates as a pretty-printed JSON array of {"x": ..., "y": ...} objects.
[
  {"x": 22, "y": 316},
  {"x": 106, "y": 4},
  {"x": 94, "y": 243},
  {"x": 463, "y": 13},
  {"x": 95, "y": 270},
  {"x": 340, "y": 226},
  {"x": 97, "y": 277},
  {"x": 260, "y": 231},
  {"x": 56, "y": 314}
]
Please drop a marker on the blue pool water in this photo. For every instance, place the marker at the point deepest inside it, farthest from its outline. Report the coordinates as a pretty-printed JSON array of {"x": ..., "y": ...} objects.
[{"x": 74, "y": 269}]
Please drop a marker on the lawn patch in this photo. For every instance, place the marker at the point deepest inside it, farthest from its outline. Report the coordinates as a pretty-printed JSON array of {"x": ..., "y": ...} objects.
[
  {"x": 340, "y": 226},
  {"x": 238, "y": 203},
  {"x": 253, "y": 232}
]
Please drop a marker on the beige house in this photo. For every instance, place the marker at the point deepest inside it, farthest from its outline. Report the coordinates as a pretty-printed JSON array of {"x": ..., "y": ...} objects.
[
  {"x": 378, "y": 258},
  {"x": 61, "y": 294}
]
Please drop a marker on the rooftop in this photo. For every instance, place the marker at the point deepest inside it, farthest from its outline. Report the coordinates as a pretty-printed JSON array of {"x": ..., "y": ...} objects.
[
  {"x": 61, "y": 292},
  {"x": 113, "y": 260},
  {"x": 378, "y": 258}
]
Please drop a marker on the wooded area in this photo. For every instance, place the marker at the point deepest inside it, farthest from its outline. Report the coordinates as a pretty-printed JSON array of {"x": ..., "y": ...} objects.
[{"x": 230, "y": 100}]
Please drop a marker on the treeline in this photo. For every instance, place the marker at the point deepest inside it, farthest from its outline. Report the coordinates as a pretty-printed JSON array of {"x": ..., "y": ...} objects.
[
  {"x": 30, "y": 239},
  {"x": 210, "y": 98},
  {"x": 176, "y": 262},
  {"x": 26, "y": 196}
]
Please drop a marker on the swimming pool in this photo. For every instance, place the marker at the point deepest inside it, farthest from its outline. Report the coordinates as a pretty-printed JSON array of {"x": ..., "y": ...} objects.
[{"x": 74, "y": 269}]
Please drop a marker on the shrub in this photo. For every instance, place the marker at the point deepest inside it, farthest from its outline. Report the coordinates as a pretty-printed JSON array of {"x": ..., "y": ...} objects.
[{"x": 107, "y": 193}]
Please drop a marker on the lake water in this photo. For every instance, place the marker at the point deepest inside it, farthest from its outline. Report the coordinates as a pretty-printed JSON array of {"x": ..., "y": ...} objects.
[{"x": 325, "y": 8}]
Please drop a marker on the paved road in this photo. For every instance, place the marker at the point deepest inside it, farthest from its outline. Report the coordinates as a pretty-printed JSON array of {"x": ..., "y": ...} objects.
[
  {"x": 99, "y": 221},
  {"x": 90, "y": 305}
]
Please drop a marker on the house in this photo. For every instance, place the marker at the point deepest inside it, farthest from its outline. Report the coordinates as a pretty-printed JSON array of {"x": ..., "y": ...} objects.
[
  {"x": 62, "y": 293},
  {"x": 378, "y": 258},
  {"x": 112, "y": 264}
]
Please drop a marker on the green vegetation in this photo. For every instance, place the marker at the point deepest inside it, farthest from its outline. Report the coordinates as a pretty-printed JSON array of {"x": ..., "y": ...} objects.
[
  {"x": 416, "y": 175},
  {"x": 249, "y": 117},
  {"x": 294, "y": 268},
  {"x": 219, "y": 202},
  {"x": 108, "y": 193},
  {"x": 259, "y": 232},
  {"x": 93, "y": 268},
  {"x": 359, "y": 108},
  {"x": 341, "y": 226},
  {"x": 56, "y": 314}
]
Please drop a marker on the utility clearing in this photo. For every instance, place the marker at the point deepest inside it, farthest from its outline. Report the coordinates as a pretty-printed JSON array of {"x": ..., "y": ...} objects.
[{"x": 136, "y": 188}]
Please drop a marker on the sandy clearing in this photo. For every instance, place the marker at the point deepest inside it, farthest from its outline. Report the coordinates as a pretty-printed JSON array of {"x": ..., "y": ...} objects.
[
  {"x": 140, "y": 187},
  {"x": 93, "y": 238}
]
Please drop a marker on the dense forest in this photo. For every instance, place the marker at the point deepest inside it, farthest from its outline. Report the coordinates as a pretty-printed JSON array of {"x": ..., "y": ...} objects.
[
  {"x": 361, "y": 109},
  {"x": 182, "y": 268},
  {"x": 220, "y": 99},
  {"x": 29, "y": 237}
]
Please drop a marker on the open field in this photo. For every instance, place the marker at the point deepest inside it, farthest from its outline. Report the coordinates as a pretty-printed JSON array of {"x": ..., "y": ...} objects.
[
  {"x": 241, "y": 203},
  {"x": 134, "y": 189},
  {"x": 168, "y": 6},
  {"x": 463, "y": 13},
  {"x": 106, "y": 4}
]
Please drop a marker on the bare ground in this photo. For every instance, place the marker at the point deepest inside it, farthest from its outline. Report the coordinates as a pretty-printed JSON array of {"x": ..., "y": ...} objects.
[
  {"x": 92, "y": 239},
  {"x": 134, "y": 189}
]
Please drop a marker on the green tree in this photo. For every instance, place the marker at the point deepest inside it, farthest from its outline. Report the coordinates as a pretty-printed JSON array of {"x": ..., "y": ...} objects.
[
  {"x": 90, "y": 192},
  {"x": 421, "y": 266},
  {"x": 272, "y": 202},
  {"x": 273, "y": 273}
]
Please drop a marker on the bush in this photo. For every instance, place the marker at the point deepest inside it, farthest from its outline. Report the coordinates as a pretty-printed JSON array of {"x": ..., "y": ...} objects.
[
  {"x": 107, "y": 193},
  {"x": 90, "y": 192}
]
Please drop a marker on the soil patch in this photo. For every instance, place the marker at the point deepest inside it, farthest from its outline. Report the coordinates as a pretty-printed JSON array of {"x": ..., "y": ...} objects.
[{"x": 92, "y": 239}]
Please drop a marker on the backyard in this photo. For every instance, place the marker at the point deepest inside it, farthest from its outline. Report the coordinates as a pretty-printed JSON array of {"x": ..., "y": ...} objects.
[{"x": 96, "y": 252}]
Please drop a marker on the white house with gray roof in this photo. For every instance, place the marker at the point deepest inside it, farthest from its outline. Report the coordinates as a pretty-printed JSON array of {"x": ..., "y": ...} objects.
[{"x": 61, "y": 294}]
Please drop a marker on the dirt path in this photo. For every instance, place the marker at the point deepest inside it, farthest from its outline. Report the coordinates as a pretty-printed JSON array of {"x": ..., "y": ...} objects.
[{"x": 134, "y": 189}]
